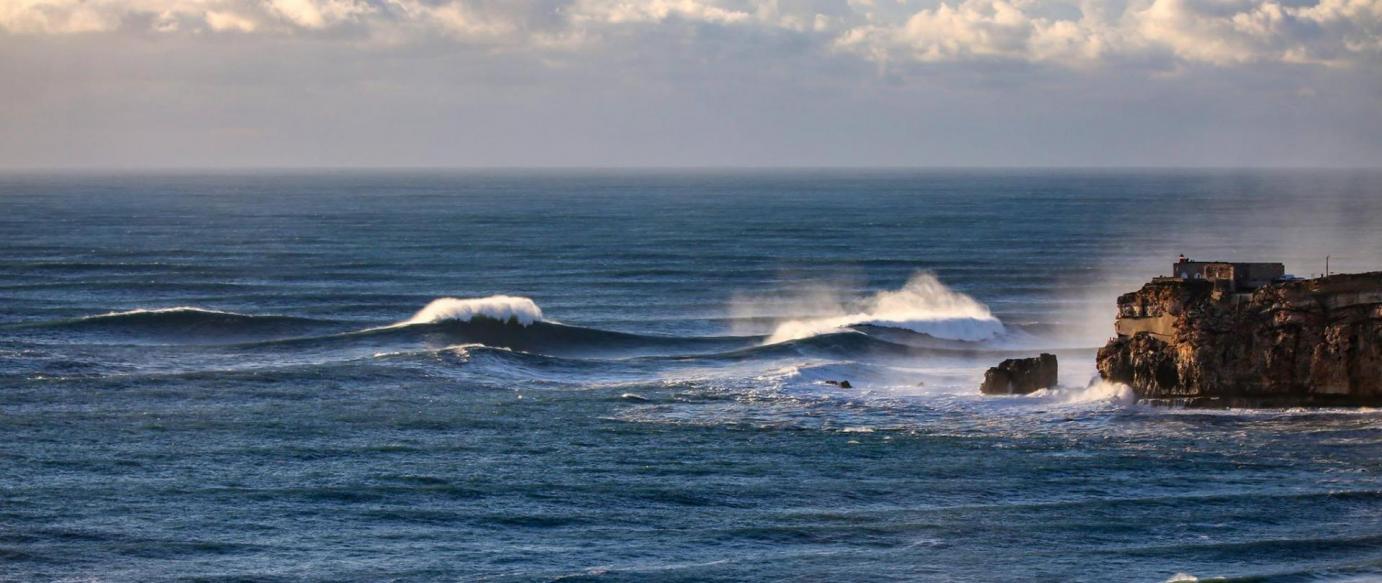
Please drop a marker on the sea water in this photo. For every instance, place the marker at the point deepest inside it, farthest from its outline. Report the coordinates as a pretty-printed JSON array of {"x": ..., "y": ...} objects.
[{"x": 537, "y": 375}]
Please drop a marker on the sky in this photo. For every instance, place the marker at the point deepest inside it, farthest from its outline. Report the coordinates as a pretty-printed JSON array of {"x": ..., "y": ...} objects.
[{"x": 625, "y": 83}]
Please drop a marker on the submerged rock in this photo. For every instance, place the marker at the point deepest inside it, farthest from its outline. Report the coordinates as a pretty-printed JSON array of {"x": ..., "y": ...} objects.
[
  {"x": 1019, "y": 376},
  {"x": 1285, "y": 344},
  {"x": 841, "y": 384}
]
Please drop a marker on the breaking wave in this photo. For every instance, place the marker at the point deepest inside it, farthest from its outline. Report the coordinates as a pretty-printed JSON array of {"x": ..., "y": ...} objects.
[
  {"x": 521, "y": 310},
  {"x": 924, "y": 305}
]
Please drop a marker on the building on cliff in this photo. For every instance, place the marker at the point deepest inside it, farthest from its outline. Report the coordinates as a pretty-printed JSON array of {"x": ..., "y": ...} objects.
[
  {"x": 1234, "y": 281},
  {"x": 1235, "y": 277}
]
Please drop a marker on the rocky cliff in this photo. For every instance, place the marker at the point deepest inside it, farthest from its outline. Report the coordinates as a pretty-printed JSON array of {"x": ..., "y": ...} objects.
[{"x": 1304, "y": 342}]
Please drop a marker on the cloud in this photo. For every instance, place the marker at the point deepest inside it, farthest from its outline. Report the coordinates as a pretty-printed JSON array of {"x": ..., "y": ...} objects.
[
  {"x": 1222, "y": 33},
  {"x": 1331, "y": 32},
  {"x": 1067, "y": 33},
  {"x": 229, "y": 21},
  {"x": 319, "y": 13},
  {"x": 1195, "y": 34},
  {"x": 633, "y": 11},
  {"x": 977, "y": 29},
  {"x": 57, "y": 16}
]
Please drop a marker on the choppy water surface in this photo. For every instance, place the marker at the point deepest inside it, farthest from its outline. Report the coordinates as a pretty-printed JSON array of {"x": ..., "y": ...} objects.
[{"x": 622, "y": 375}]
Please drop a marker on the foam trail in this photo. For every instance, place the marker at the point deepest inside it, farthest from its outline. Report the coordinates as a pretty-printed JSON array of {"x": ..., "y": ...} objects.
[
  {"x": 923, "y": 305},
  {"x": 500, "y": 308}
]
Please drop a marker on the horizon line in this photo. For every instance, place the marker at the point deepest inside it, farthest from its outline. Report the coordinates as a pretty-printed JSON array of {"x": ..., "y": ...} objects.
[{"x": 151, "y": 169}]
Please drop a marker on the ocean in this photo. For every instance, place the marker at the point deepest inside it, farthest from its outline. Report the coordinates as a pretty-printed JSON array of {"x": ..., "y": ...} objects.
[{"x": 539, "y": 375}]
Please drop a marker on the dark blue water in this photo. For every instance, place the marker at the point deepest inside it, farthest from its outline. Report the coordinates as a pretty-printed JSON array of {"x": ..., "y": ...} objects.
[{"x": 244, "y": 377}]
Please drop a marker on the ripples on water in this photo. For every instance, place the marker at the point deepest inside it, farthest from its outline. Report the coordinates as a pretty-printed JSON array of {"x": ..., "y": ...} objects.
[{"x": 203, "y": 378}]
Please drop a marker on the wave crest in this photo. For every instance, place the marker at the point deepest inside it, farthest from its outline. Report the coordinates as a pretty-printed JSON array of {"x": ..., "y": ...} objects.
[
  {"x": 923, "y": 305},
  {"x": 182, "y": 317},
  {"x": 190, "y": 324},
  {"x": 499, "y": 308},
  {"x": 153, "y": 312}
]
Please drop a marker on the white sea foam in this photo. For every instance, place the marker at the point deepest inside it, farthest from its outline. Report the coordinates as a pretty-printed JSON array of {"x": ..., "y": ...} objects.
[
  {"x": 1097, "y": 391},
  {"x": 923, "y": 305},
  {"x": 457, "y": 349},
  {"x": 501, "y": 308}
]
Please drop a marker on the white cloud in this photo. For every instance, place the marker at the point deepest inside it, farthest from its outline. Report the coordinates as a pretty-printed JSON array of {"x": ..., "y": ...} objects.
[
  {"x": 1217, "y": 32},
  {"x": 229, "y": 21},
  {"x": 636, "y": 11},
  {"x": 1333, "y": 32},
  {"x": 319, "y": 13},
  {"x": 1192, "y": 35},
  {"x": 979, "y": 29},
  {"x": 465, "y": 20},
  {"x": 56, "y": 16}
]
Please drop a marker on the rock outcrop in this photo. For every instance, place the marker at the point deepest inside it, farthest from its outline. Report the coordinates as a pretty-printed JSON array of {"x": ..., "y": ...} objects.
[
  {"x": 1295, "y": 343},
  {"x": 1019, "y": 376}
]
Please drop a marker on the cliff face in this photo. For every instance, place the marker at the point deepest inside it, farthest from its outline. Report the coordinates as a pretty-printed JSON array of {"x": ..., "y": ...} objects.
[{"x": 1308, "y": 342}]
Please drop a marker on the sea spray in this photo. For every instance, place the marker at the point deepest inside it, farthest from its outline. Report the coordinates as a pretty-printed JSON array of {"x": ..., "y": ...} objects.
[
  {"x": 1098, "y": 391},
  {"x": 923, "y": 305}
]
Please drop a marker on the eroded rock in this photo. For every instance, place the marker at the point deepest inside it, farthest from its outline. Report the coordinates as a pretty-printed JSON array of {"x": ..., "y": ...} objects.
[{"x": 1019, "y": 376}]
